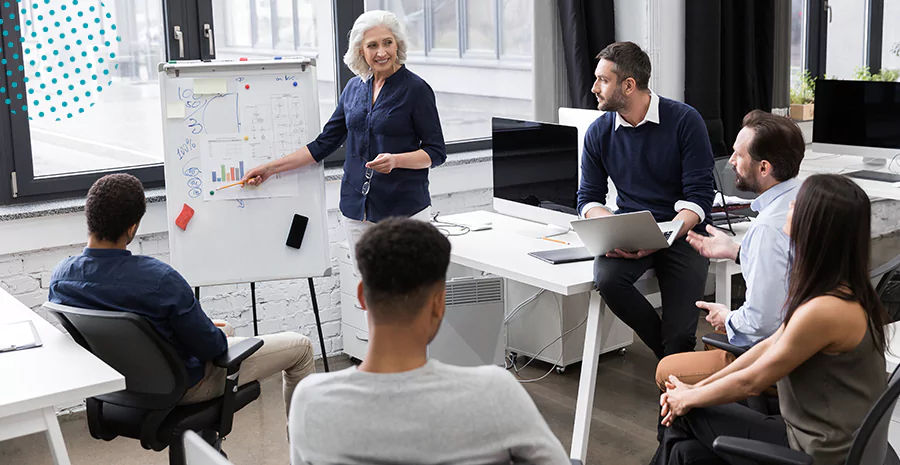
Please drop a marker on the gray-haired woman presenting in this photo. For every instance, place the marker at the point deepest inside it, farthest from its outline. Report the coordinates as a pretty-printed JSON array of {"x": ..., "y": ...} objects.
[{"x": 389, "y": 120}]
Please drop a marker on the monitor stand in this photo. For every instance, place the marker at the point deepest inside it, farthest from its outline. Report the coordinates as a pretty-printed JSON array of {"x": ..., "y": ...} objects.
[{"x": 543, "y": 230}]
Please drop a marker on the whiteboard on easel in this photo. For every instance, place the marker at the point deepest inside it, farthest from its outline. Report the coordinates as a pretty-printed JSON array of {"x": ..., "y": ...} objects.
[{"x": 221, "y": 119}]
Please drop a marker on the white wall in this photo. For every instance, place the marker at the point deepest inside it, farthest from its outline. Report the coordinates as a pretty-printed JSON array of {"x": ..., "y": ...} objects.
[{"x": 658, "y": 27}]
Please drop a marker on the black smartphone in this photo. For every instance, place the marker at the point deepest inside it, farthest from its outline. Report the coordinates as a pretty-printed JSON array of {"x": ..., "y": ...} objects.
[{"x": 298, "y": 229}]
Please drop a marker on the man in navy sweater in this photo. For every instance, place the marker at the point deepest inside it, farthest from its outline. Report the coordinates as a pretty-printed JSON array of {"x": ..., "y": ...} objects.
[{"x": 658, "y": 155}]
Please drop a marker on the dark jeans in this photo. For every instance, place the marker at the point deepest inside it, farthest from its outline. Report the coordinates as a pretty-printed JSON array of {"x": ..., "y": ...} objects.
[
  {"x": 681, "y": 273},
  {"x": 689, "y": 440}
]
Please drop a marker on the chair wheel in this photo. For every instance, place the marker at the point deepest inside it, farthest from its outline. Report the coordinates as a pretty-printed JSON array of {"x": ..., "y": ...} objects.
[
  {"x": 513, "y": 357},
  {"x": 623, "y": 351},
  {"x": 560, "y": 370}
]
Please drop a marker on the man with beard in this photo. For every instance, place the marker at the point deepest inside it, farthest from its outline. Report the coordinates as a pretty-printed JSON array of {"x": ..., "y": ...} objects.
[
  {"x": 766, "y": 160},
  {"x": 658, "y": 155}
]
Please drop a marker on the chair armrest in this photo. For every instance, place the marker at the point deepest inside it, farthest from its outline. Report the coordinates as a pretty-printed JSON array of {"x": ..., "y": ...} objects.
[
  {"x": 720, "y": 341},
  {"x": 759, "y": 451},
  {"x": 231, "y": 359}
]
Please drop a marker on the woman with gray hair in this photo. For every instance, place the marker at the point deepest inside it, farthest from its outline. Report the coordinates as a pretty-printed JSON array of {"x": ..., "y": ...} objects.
[{"x": 389, "y": 120}]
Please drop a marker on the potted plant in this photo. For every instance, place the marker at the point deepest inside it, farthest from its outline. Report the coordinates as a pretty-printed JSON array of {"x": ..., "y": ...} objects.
[
  {"x": 803, "y": 96},
  {"x": 885, "y": 75}
]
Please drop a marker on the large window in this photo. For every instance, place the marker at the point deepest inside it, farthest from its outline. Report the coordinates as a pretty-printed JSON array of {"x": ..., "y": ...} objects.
[
  {"x": 91, "y": 80},
  {"x": 475, "y": 54},
  {"x": 890, "y": 55},
  {"x": 798, "y": 40},
  {"x": 847, "y": 29},
  {"x": 79, "y": 82}
]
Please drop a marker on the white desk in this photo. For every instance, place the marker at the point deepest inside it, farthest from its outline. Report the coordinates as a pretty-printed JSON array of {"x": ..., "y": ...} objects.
[
  {"x": 826, "y": 163},
  {"x": 59, "y": 372}
]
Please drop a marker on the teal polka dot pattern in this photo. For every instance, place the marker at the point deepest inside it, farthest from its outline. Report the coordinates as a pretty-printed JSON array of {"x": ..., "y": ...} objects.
[{"x": 57, "y": 36}]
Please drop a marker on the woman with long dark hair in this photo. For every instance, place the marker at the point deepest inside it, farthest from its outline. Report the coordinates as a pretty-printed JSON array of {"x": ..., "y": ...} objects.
[{"x": 827, "y": 358}]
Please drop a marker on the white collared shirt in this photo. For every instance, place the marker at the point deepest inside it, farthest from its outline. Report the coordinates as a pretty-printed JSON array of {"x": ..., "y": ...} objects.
[{"x": 652, "y": 115}]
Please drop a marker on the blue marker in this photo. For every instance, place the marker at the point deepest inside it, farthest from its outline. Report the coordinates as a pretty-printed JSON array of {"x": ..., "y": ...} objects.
[{"x": 277, "y": 58}]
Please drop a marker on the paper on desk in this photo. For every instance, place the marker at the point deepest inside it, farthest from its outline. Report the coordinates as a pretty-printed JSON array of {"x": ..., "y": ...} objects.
[
  {"x": 730, "y": 199},
  {"x": 210, "y": 86},
  {"x": 20, "y": 334}
]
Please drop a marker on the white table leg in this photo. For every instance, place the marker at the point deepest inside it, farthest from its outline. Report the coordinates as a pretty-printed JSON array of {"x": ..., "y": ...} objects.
[
  {"x": 587, "y": 384},
  {"x": 55, "y": 438},
  {"x": 723, "y": 284}
]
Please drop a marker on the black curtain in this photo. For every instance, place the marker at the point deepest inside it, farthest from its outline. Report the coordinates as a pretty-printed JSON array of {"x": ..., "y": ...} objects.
[
  {"x": 588, "y": 26},
  {"x": 729, "y": 63}
]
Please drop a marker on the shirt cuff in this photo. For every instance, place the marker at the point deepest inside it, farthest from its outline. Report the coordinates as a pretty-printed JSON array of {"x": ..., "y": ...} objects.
[
  {"x": 729, "y": 328},
  {"x": 591, "y": 205},
  {"x": 685, "y": 205}
]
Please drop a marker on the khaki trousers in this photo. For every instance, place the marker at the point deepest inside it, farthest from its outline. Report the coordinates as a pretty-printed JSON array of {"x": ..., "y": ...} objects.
[{"x": 289, "y": 353}]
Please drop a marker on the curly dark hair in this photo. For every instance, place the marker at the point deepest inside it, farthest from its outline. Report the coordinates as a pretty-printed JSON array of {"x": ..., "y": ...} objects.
[
  {"x": 402, "y": 261},
  {"x": 115, "y": 203}
]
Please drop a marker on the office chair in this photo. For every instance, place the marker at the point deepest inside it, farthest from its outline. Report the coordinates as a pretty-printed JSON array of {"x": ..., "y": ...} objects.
[
  {"x": 155, "y": 380},
  {"x": 729, "y": 216},
  {"x": 198, "y": 452},
  {"x": 870, "y": 444}
]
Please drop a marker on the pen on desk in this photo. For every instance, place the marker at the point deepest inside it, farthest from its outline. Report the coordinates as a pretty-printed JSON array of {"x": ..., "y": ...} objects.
[
  {"x": 555, "y": 240},
  {"x": 239, "y": 183}
]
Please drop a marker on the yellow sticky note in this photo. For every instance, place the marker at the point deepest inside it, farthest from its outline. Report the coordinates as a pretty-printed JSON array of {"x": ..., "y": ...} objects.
[
  {"x": 175, "y": 110},
  {"x": 210, "y": 86}
]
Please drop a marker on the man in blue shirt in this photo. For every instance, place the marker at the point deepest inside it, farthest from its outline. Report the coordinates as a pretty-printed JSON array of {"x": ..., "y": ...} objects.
[
  {"x": 106, "y": 276},
  {"x": 658, "y": 155},
  {"x": 766, "y": 160}
]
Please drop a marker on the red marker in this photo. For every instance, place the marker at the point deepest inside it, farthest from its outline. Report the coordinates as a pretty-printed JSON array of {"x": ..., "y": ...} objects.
[{"x": 243, "y": 59}]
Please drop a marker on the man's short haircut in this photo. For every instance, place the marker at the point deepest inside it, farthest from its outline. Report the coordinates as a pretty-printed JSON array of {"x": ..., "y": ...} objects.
[
  {"x": 777, "y": 140},
  {"x": 630, "y": 62},
  {"x": 114, "y": 203},
  {"x": 401, "y": 261}
]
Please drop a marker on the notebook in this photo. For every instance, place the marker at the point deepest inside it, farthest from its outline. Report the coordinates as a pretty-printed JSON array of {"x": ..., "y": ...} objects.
[
  {"x": 17, "y": 336},
  {"x": 560, "y": 256}
]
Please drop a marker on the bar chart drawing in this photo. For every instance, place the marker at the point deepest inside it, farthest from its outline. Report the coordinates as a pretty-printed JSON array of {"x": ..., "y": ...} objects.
[{"x": 227, "y": 160}]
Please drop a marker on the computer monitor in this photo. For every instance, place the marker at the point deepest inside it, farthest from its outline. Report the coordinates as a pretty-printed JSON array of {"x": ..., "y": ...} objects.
[
  {"x": 857, "y": 118},
  {"x": 536, "y": 173}
]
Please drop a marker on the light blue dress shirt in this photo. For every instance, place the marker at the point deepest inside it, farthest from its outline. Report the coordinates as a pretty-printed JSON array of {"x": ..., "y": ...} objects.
[{"x": 764, "y": 264}]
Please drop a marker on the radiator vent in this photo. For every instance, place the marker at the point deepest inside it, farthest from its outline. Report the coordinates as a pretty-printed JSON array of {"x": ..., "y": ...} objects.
[{"x": 474, "y": 291}]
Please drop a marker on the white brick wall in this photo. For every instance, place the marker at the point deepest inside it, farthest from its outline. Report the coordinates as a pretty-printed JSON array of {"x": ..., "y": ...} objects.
[{"x": 281, "y": 305}]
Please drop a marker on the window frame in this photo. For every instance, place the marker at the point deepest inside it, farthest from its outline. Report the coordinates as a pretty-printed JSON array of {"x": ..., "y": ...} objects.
[
  {"x": 17, "y": 181},
  {"x": 818, "y": 15}
]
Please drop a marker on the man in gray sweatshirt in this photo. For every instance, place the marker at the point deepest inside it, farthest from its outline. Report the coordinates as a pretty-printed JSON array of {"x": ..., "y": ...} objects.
[{"x": 398, "y": 406}]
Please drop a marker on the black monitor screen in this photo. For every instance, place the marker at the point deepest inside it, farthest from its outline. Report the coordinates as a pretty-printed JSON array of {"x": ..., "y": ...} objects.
[
  {"x": 857, "y": 113},
  {"x": 536, "y": 164}
]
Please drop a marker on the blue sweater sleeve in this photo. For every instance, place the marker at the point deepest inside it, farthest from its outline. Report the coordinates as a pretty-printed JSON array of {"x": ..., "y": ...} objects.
[
  {"x": 593, "y": 187},
  {"x": 697, "y": 161},
  {"x": 428, "y": 126},
  {"x": 191, "y": 326},
  {"x": 334, "y": 133}
]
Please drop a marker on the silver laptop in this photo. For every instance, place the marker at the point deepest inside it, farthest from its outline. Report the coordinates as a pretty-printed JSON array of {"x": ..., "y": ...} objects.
[{"x": 627, "y": 231}]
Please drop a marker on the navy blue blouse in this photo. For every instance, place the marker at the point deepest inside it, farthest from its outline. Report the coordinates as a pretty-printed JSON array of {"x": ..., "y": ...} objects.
[{"x": 403, "y": 119}]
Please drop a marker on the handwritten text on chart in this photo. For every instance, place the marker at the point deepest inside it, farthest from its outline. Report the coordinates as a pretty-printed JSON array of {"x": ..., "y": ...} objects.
[
  {"x": 286, "y": 78},
  {"x": 196, "y": 120},
  {"x": 186, "y": 148},
  {"x": 194, "y": 183}
]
